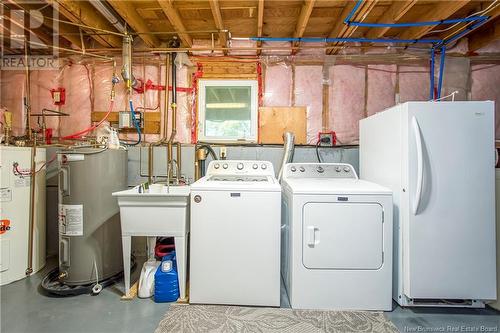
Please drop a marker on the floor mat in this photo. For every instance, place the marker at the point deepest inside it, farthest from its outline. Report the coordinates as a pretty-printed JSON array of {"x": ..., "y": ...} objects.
[{"x": 215, "y": 318}]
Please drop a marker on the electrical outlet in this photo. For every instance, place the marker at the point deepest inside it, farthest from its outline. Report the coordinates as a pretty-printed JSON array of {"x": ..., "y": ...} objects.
[
  {"x": 327, "y": 139},
  {"x": 222, "y": 153}
]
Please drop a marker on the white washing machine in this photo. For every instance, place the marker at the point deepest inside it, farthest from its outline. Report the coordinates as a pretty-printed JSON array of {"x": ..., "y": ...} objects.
[
  {"x": 235, "y": 235},
  {"x": 336, "y": 239}
]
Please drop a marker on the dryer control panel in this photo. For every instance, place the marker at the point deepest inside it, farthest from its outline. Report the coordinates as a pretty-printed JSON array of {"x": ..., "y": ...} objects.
[{"x": 320, "y": 170}]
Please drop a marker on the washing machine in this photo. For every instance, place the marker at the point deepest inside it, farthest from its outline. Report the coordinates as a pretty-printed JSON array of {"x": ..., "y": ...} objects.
[
  {"x": 235, "y": 235},
  {"x": 336, "y": 239}
]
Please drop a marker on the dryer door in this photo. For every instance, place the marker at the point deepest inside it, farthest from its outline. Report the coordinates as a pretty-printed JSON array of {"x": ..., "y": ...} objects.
[{"x": 342, "y": 235}]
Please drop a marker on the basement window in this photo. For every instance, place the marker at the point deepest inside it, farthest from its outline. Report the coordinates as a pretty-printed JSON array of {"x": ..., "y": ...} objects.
[{"x": 227, "y": 110}]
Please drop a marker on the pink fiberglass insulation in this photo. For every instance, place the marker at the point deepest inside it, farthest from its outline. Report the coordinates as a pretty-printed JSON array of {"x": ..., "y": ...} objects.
[
  {"x": 280, "y": 48},
  {"x": 414, "y": 83},
  {"x": 486, "y": 86},
  {"x": 381, "y": 88},
  {"x": 309, "y": 93},
  {"x": 347, "y": 101},
  {"x": 204, "y": 45},
  {"x": 277, "y": 86},
  {"x": 12, "y": 88},
  {"x": 42, "y": 81},
  {"x": 77, "y": 82},
  {"x": 242, "y": 44}
]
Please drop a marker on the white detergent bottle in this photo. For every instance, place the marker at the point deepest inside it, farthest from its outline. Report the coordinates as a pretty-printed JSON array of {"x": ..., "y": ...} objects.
[{"x": 147, "y": 279}]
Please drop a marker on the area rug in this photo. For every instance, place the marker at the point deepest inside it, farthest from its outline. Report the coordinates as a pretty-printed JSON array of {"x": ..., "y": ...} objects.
[{"x": 215, "y": 318}]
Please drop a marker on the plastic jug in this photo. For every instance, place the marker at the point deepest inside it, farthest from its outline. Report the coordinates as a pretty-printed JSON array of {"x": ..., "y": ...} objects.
[
  {"x": 166, "y": 281},
  {"x": 146, "y": 281}
]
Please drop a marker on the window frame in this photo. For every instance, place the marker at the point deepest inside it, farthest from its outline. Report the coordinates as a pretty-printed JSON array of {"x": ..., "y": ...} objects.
[{"x": 254, "y": 109}]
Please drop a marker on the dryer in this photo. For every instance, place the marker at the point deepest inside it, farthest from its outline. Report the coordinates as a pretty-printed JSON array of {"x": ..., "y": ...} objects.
[
  {"x": 336, "y": 250},
  {"x": 235, "y": 235}
]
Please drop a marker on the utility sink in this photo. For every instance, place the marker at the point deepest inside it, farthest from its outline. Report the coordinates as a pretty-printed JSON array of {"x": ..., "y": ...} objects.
[{"x": 155, "y": 211}]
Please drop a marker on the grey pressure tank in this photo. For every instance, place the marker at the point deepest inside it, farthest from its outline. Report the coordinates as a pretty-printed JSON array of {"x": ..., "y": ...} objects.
[{"x": 89, "y": 221}]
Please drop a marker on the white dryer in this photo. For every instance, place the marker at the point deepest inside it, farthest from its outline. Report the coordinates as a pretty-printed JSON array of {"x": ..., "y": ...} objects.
[
  {"x": 235, "y": 235},
  {"x": 336, "y": 239}
]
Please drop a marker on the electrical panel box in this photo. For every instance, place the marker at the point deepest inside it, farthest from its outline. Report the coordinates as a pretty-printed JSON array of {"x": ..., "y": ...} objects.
[
  {"x": 125, "y": 119},
  {"x": 58, "y": 96},
  {"x": 327, "y": 139}
]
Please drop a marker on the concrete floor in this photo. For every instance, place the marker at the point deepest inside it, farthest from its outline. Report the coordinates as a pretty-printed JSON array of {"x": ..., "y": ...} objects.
[{"x": 25, "y": 309}]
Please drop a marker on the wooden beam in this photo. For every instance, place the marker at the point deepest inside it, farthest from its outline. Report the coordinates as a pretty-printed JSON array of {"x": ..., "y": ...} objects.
[
  {"x": 305, "y": 13},
  {"x": 260, "y": 22},
  {"x": 395, "y": 12},
  {"x": 176, "y": 21},
  {"x": 342, "y": 30},
  {"x": 492, "y": 13},
  {"x": 127, "y": 11},
  {"x": 441, "y": 11},
  {"x": 66, "y": 31},
  {"x": 484, "y": 36},
  {"x": 214, "y": 6},
  {"x": 83, "y": 12}
]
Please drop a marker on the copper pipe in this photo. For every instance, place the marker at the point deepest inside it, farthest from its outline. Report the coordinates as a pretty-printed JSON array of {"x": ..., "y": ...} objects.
[
  {"x": 29, "y": 269},
  {"x": 179, "y": 162}
]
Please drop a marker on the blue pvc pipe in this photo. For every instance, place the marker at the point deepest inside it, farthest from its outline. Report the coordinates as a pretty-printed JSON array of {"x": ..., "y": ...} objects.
[
  {"x": 415, "y": 24},
  {"x": 441, "y": 71},
  {"x": 433, "y": 57},
  {"x": 346, "y": 40},
  {"x": 351, "y": 14}
]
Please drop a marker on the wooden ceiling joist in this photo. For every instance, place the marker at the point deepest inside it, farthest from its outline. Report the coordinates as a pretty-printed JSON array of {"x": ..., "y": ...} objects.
[
  {"x": 301, "y": 26},
  {"x": 215, "y": 7},
  {"x": 176, "y": 21},
  {"x": 82, "y": 12},
  {"x": 440, "y": 11},
  {"x": 66, "y": 31},
  {"x": 129, "y": 14},
  {"x": 485, "y": 36},
  {"x": 342, "y": 30},
  {"x": 395, "y": 12},
  {"x": 260, "y": 22}
]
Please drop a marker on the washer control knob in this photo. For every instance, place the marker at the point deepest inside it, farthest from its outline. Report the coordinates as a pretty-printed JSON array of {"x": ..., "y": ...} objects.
[
  {"x": 263, "y": 166},
  {"x": 302, "y": 169},
  {"x": 347, "y": 169},
  {"x": 338, "y": 169},
  {"x": 255, "y": 166},
  {"x": 216, "y": 165},
  {"x": 320, "y": 169},
  {"x": 293, "y": 169},
  {"x": 224, "y": 165},
  {"x": 240, "y": 166}
]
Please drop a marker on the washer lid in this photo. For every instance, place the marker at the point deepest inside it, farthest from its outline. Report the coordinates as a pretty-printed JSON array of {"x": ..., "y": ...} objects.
[
  {"x": 236, "y": 183},
  {"x": 333, "y": 186}
]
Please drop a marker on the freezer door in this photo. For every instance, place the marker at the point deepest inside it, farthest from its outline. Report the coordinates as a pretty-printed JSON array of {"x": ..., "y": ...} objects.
[{"x": 449, "y": 228}]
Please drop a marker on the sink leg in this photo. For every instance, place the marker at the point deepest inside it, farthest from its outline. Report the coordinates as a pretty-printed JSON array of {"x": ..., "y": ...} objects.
[
  {"x": 126, "y": 244},
  {"x": 180, "y": 253}
]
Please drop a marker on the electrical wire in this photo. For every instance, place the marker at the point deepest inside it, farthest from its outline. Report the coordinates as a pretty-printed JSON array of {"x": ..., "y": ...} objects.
[
  {"x": 17, "y": 172},
  {"x": 317, "y": 151},
  {"x": 91, "y": 128},
  {"x": 457, "y": 24}
]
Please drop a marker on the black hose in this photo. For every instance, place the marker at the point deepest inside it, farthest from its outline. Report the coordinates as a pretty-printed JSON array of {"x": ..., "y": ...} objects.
[{"x": 210, "y": 150}]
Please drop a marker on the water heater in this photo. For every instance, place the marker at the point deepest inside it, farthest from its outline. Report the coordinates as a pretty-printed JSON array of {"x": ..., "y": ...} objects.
[
  {"x": 15, "y": 227},
  {"x": 89, "y": 223}
]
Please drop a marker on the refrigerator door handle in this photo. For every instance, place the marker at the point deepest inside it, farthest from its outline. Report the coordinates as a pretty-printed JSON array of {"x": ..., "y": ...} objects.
[{"x": 420, "y": 165}]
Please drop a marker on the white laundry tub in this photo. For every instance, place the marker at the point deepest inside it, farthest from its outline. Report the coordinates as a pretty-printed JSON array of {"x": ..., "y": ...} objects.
[
  {"x": 155, "y": 212},
  {"x": 159, "y": 211}
]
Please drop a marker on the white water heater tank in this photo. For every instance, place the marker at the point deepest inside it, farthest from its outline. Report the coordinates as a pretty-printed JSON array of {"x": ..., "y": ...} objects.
[{"x": 15, "y": 212}]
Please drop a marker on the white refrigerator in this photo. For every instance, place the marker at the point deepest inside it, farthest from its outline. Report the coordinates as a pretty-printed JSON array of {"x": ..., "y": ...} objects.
[{"x": 438, "y": 158}]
